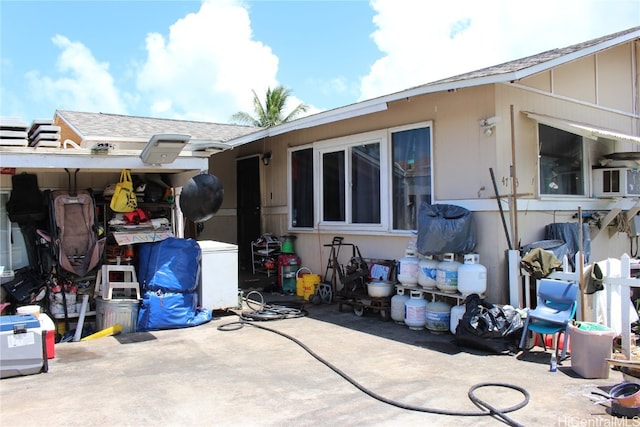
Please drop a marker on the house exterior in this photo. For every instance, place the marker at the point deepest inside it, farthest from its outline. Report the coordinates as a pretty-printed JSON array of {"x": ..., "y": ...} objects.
[
  {"x": 98, "y": 146},
  {"x": 542, "y": 124}
]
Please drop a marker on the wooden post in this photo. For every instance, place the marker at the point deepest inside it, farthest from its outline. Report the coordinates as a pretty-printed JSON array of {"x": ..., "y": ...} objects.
[
  {"x": 514, "y": 186},
  {"x": 580, "y": 266}
]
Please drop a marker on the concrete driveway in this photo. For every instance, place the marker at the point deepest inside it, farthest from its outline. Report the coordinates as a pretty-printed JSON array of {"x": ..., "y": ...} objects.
[{"x": 253, "y": 377}]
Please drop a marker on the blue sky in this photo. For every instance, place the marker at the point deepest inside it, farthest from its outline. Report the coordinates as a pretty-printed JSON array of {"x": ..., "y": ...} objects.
[{"x": 200, "y": 60}]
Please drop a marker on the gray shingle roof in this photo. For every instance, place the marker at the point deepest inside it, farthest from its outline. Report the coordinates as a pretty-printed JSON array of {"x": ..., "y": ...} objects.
[
  {"x": 533, "y": 60},
  {"x": 512, "y": 70},
  {"x": 116, "y": 126}
]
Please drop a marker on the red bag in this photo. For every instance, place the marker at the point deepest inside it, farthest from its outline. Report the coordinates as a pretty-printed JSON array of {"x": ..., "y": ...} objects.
[{"x": 136, "y": 217}]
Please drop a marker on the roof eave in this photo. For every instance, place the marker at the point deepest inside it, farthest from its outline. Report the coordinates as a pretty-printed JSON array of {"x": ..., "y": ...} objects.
[{"x": 380, "y": 103}]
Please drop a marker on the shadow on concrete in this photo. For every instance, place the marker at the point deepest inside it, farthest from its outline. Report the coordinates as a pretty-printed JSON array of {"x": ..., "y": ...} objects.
[{"x": 371, "y": 322}]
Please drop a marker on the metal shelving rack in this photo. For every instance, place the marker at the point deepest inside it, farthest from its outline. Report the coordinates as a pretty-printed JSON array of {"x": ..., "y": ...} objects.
[{"x": 261, "y": 249}]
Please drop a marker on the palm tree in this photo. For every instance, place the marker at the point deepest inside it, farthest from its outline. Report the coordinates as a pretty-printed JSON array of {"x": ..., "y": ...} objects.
[{"x": 270, "y": 114}]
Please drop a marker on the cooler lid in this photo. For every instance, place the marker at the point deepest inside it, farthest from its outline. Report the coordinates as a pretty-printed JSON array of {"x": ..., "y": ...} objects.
[
  {"x": 28, "y": 320},
  {"x": 214, "y": 246}
]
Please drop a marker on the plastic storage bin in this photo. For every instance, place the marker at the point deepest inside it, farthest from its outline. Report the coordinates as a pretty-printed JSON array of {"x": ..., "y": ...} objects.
[
  {"x": 122, "y": 311},
  {"x": 20, "y": 345},
  {"x": 591, "y": 344}
]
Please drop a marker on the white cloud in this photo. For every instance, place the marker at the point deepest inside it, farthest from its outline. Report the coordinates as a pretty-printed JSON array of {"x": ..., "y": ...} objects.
[
  {"x": 207, "y": 66},
  {"x": 87, "y": 84},
  {"x": 423, "y": 41}
]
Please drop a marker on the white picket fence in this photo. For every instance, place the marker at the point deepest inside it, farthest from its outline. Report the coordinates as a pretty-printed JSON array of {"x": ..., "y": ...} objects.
[{"x": 618, "y": 309}]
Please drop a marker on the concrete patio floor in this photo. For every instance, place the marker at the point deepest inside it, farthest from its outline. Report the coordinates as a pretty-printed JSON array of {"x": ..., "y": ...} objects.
[{"x": 249, "y": 376}]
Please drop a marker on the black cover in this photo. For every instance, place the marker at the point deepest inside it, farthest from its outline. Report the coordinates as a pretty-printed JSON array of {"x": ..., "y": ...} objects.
[
  {"x": 25, "y": 285},
  {"x": 201, "y": 197},
  {"x": 445, "y": 228},
  {"x": 489, "y": 327},
  {"x": 26, "y": 204}
]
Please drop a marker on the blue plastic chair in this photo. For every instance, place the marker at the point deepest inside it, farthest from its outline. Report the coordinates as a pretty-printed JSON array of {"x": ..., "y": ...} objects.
[{"x": 555, "y": 309}]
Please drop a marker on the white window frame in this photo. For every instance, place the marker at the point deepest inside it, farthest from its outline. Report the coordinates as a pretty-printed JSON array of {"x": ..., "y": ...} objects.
[
  {"x": 382, "y": 137},
  {"x": 344, "y": 144},
  {"x": 390, "y": 131},
  {"x": 586, "y": 168},
  {"x": 290, "y": 150}
]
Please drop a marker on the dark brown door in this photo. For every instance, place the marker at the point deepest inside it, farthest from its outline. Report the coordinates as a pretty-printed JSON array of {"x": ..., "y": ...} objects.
[{"x": 248, "y": 205}]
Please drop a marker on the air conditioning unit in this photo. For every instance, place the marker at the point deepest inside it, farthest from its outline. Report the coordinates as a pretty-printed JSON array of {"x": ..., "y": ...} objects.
[{"x": 616, "y": 182}]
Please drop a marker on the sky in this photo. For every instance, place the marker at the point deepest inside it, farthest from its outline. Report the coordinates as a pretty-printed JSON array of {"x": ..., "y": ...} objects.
[{"x": 203, "y": 60}]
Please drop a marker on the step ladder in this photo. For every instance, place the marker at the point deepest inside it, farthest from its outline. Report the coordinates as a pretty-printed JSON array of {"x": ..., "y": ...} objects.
[{"x": 105, "y": 286}]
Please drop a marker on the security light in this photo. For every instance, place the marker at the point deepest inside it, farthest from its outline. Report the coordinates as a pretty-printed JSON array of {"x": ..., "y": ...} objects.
[
  {"x": 266, "y": 158},
  {"x": 163, "y": 148}
]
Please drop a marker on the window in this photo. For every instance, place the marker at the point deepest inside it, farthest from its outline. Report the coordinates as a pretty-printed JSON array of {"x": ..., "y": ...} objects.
[
  {"x": 333, "y": 196},
  {"x": 365, "y": 184},
  {"x": 562, "y": 169},
  {"x": 411, "y": 175},
  {"x": 13, "y": 249},
  {"x": 372, "y": 181},
  {"x": 351, "y": 184},
  {"x": 302, "y": 204}
]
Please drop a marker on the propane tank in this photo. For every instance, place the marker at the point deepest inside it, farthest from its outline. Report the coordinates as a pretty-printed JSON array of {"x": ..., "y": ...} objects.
[
  {"x": 438, "y": 316},
  {"x": 397, "y": 305},
  {"x": 457, "y": 311},
  {"x": 447, "y": 275},
  {"x": 472, "y": 276},
  {"x": 408, "y": 268},
  {"x": 414, "y": 311},
  {"x": 427, "y": 272}
]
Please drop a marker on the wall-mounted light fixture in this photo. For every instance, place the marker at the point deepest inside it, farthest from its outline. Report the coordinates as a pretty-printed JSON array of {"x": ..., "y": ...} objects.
[
  {"x": 163, "y": 148},
  {"x": 489, "y": 124},
  {"x": 266, "y": 158}
]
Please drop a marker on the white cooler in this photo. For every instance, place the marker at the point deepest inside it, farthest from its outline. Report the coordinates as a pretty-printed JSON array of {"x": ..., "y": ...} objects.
[
  {"x": 21, "y": 346},
  {"x": 219, "y": 282}
]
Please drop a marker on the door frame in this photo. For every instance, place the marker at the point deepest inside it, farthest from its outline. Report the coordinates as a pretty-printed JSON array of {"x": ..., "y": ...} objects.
[{"x": 244, "y": 241}]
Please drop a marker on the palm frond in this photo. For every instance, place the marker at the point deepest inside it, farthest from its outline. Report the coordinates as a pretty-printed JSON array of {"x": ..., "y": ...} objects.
[{"x": 271, "y": 112}]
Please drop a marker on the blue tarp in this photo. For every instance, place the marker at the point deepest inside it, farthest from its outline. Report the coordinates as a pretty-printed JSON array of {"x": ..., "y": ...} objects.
[
  {"x": 171, "y": 265},
  {"x": 160, "y": 310}
]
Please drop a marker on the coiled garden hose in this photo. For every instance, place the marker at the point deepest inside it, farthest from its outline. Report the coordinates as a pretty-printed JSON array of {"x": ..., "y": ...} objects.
[{"x": 268, "y": 312}]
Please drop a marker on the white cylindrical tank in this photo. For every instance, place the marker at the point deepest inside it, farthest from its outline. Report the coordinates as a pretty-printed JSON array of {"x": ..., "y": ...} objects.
[
  {"x": 414, "y": 311},
  {"x": 472, "y": 276},
  {"x": 438, "y": 316},
  {"x": 447, "y": 275},
  {"x": 457, "y": 311},
  {"x": 397, "y": 305},
  {"x": 408, "y": 268},
  {"x": 427, "y": 272}
]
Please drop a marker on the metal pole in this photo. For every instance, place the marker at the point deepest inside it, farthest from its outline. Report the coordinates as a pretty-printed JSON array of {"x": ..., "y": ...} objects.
[
  {"x": 580, "y": 266},
  {"x": 504, "y": 222}
]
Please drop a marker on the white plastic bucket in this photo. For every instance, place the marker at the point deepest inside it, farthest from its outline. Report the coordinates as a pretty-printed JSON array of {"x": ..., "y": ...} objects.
[{"x": 29, "y": 309}]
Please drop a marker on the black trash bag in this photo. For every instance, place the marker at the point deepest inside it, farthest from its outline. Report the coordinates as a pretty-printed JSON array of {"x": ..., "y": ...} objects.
[
  {"x": 488, "y": 327},
  {"x": 445, "y": 228}
]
